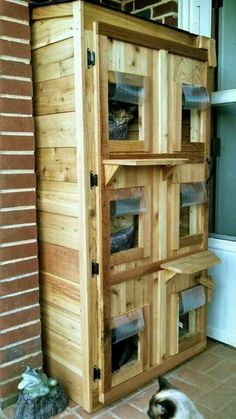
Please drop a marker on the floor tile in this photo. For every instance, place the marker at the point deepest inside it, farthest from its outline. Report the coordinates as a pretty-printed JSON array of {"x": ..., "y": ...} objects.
[
  {"x": 217, "y": 398},
  {"x": 141, "y": 400},
  {"x": 203, "y": 362},
  {"x": 125, "y": 411},
  {"x": 231, "y": 381},
  {"x": 192, "y": 377},
  {"x": 222, "y": 370},
  {"x": 226, "y": 352}
]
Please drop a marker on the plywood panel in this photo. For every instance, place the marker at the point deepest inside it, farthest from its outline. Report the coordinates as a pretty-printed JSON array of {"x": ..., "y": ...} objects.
[
  {"x": 59, "y": 229},
  {"x": 58, "y": 164}
]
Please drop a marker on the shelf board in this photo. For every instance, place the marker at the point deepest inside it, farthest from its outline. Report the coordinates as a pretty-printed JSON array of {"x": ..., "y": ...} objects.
[
  {"x": 193, "y": 263},
  {"x": 223, "y": 97},
  {"x": 146, "y": 162}
]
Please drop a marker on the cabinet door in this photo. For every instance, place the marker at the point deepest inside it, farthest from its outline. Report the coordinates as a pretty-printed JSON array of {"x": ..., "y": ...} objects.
[
  {"x": 126, "y": 85},
  {"x": 188, "y": 103}
]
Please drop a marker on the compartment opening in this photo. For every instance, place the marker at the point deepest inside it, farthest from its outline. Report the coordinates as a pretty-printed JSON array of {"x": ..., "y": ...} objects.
[
  {"x": 186, "y": 125},
  {"x": 184, "y": 221},
  {"x": 124, "y": 352},
  {"x": 125, "y": 221},
  {"x": 125, "y": 98}
]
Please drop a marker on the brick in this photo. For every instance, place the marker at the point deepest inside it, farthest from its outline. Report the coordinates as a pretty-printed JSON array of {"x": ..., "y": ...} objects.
[
  {"x": 14, "y": 68},
  {"x": 11, "y": 181},
  {"x": 140, "y": 4},
  {"x": 129, "y": 7},
  {"x": 17, "y": 301},
  {"x": 146, "y": 14},
  {"x": 16, "y": 87},
  {"x": 14, "y": 10},
  {"x": 18, "y": 351},
  {"x": 17, "y": 285},
  {"x": 20, "y": 333},
  {"x": 17, "y": 199},
  {"x": 20, "y": 317},
  {"x": 19, "y": 268},
  {"x": 18, "y": 251},
  {"x": 164, "y": 8},
  {"x": 14, "y": 143},
  {"x": 14, "y": 162},
  {"x": 19, "y": 106},
  {"x": 17, "y": 124},
  {"x": 9, "y": 388},
  {"x": 15, "y": 49},
  {"x": 16, "y": 369},
  {"x": 15, "y": 30},
  {"x": 112, "y": 4},
  {"x": 18, "y": 233},
  {"x": 18, "y": 217},
  {"x": 171, "y": 21}
]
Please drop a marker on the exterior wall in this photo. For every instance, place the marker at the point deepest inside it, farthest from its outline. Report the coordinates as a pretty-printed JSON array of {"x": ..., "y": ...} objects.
[
  {"x": 162, "y": 11},
  {"x": 20, "y": 343}
]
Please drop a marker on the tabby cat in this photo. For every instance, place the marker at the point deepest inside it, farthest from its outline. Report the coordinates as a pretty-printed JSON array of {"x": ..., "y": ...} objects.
[
  {"x": 119, "y": 119},
  {"x": 170, "y": 403}
]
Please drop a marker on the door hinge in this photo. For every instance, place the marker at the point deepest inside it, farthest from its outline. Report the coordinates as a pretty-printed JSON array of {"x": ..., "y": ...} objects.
[
  {"x": 215, "y": 147},
  {"x": 95, "y": 268},
  {"x": 90, "y": 58},
  {"x": 96, "y": 373},
  {"x": 216, "y": 4},
  {"x": 93, "y": 179}
]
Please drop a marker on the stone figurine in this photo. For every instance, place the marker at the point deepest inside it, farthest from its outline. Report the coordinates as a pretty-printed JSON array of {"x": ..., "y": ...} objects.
[{"x": 40, "y": 397}]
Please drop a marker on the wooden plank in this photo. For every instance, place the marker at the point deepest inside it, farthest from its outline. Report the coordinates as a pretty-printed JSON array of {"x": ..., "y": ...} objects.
[
  {"x": 191, "y": 240},
  {"x": 160, "y": 102},
  {"x": 57, "y": 130},
  {"x": 145, "y": 162},
  {"x": 52, "y": 11},
  {"x": 138, "y": 38},
  {"x": 173, "y": 216},
  {"x": 58, "y": 198},
  {"x": 64, "y": 294},
  {"x": 61, "y": 322},
  {"x": 54, "y": 96},
  {"x": 59, "y": 261},
  {"x": 59, "y": 229},
  {"x": 189, "y": 173},
  {"x": 53, "y": 61},
  {"x": 49, "y": 31},
  {"x": 67, "y": 376},
  {"x": 173, "y": 326},
  {"x": 192, "y": 264},
  {"x": 57, "y": 164}
]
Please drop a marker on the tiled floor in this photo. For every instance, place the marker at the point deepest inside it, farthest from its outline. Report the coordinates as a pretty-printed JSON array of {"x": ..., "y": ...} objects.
[{"x": 209, "y": 379}]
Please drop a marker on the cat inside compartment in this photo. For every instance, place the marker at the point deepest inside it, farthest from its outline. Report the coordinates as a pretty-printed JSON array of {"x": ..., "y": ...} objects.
[{"x": 123, "y": 121}]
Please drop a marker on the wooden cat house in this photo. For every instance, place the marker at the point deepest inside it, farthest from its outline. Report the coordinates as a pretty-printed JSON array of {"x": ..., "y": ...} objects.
[{"x": 122, "y": 221}]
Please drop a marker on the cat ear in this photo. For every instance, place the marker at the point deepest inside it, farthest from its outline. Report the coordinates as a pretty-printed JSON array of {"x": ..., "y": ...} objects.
[{"x": 164, "y": 384}]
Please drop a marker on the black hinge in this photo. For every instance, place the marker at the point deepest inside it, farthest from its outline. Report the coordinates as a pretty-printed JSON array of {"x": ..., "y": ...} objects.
[
  {"x": 95, "y": 268},
  {"x": 96, "y": 373},
  {"x": 215, "y": 147},
  {"x": 90, "y": 58},
  {"x": 93, "y": 179},
  {"x": 216, "y": 4}
]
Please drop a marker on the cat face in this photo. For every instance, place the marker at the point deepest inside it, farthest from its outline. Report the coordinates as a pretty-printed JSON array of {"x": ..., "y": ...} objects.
[{"x": 120, "y": 116}]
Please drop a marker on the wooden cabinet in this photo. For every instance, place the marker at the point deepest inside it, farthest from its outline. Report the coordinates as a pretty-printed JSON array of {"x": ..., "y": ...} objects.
[{"x": 116, "y": 146}]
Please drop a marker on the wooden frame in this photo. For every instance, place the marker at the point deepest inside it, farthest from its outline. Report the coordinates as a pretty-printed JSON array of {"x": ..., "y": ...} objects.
[{"x": 79, "y": 171}]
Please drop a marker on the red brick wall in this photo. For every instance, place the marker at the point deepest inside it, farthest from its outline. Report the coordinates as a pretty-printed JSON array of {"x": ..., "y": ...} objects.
[
  {"x": 20, "y": 342},
  {"x": 162, "y": 11}
]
